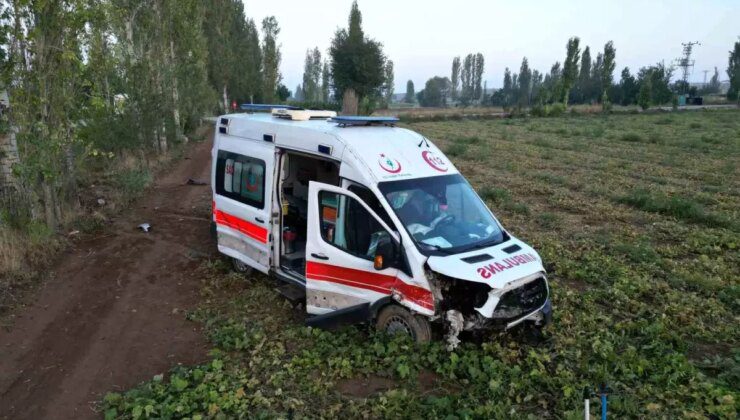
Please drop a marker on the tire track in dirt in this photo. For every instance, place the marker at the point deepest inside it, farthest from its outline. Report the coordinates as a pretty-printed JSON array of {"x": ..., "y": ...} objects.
[{"x": 112, "y": 313}]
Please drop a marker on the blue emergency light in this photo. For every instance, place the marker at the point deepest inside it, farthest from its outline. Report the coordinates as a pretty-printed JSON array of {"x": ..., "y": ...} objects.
[
  {"x": 356, "y": 120},
  {"x": 265, "y": 107}
]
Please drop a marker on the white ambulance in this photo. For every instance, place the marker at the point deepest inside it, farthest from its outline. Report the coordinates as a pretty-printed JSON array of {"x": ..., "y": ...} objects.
[{"x": 371, "y": 222}]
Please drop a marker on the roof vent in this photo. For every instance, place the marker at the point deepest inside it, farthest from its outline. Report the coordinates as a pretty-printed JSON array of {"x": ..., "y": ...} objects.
[{"x": 302, "y": 114}]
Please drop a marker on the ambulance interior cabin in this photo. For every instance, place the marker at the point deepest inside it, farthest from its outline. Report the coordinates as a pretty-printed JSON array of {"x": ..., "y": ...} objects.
[{"x": 296, "y": 172}]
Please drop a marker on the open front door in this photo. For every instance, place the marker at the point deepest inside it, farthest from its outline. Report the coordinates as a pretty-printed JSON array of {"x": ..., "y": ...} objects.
[
  {"x": 242, "y": 200},
  {"x": 342, "y": 237}
]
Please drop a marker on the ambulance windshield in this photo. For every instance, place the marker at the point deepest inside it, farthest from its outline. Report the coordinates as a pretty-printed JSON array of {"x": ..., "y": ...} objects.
[{"x": 442, "y": 214}]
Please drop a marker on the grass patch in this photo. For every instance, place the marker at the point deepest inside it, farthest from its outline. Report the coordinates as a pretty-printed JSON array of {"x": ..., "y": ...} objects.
[
  {"x": 497, "y": 195},
  {"x": 456, "y": 149},
  {"x": 676, "y": 206},
  {"x": 548, "y": 220},
  {"x": 631, "y": 137}
]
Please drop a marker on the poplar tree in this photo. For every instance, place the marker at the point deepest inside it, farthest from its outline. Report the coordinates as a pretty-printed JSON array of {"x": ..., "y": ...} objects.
[
  {"x": 410, "y": 94},
  {"x": 271, "y": 58},
  {"x": 733, "y": 72},
  {"x": 583, "y": 90},
  {"x": 325, "y": 83},
  {"x": 388, "y": 83},
  {"x": 478, "y": 68},
  {"x": 525, "y": 83},
  {"x": 455, "y": 77},
  {"x": 312, "y": 73},
  {"x": 607, "y": 72},
  {"x": 570, "y": 67},
  {"x": 466, "y": 79}
]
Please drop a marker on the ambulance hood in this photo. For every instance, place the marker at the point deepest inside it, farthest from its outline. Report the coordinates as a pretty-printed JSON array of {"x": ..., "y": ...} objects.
[{"x": 496, "y": 266}]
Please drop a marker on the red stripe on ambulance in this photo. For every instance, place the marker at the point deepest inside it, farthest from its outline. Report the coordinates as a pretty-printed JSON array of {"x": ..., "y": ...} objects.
[
  {"x": 381, "y": 283},
  {"x": 255, "y": 232},
  {"x": 491, "y": 269}
]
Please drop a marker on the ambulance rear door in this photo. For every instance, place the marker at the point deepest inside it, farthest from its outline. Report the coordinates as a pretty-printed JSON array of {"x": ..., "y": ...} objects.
[{"x": 242, "y": 201}]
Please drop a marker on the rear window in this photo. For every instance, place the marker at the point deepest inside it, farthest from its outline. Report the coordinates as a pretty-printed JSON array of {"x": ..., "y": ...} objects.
[{"x": 241, "y": 178}]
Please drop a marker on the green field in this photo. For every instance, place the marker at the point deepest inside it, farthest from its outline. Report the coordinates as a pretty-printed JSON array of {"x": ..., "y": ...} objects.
[{"x": 636, "y": 217}]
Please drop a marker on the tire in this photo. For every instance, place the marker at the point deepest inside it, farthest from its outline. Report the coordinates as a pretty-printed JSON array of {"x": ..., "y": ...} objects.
[
  {"x": 395, "y": 319},
  {"x": 241, "y": 267}
]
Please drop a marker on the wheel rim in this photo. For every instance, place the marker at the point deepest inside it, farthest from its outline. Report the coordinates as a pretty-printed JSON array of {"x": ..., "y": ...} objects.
[
  {"x": 240, "y": 266},
  {"x": 398, "y": 325}
]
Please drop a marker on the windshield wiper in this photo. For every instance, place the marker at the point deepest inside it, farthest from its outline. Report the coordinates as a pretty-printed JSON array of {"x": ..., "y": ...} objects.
[
  {"x": 439, "y": 249},
  {"x": 482, "y": 244}
]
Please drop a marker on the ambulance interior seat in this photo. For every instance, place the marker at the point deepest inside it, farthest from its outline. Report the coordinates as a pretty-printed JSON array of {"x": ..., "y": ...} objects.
[{"x": 297, "y": 171}]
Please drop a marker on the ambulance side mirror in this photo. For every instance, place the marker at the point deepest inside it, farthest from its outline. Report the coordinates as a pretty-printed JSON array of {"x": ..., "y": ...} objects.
[{"x": 386, "y": 254}]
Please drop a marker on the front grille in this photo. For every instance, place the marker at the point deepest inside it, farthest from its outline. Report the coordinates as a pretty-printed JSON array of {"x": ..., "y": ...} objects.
[{"x": 522, "y": 300}]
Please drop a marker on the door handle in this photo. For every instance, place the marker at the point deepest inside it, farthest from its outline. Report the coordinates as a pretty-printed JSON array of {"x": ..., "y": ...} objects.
[
  {"x": 320, "y": 256},
  {"x": 259, "y": 220}
]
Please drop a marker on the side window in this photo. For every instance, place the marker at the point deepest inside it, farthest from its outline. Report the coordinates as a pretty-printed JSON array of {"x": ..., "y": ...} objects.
[
  {"x": 241, "y": 178},
  {"x": 346, "y": 224},
  {"x": 372, "y": 201}
]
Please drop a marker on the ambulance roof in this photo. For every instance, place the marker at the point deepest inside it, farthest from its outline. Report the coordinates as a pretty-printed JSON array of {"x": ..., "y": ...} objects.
[{"x": 388, "y": 153}]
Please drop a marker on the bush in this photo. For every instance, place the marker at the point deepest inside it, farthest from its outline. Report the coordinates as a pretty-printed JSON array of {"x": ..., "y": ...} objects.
[
  {"x": 538, "y": 111},
  {"x": 555, "y": 110},
  {"x": 132, "y": 181}
]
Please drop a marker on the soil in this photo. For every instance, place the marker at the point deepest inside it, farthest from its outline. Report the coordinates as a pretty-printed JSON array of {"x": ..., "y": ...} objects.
[{"x": 112, "y": 313}]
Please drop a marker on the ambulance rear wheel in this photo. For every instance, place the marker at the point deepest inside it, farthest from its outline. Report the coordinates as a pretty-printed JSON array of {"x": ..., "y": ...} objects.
[
  {"x": 394, "y": 319},
  {"x": 241, "y": 267}
]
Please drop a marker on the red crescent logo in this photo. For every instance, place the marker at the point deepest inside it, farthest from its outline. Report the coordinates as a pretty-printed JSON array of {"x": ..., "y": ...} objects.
[
  {"x": 434, "y": 161},
  {"x": 389, "y": 165}
]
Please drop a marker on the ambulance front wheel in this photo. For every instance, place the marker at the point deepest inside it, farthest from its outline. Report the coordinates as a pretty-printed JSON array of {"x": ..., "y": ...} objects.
[
  {"x": 395, "y": 319},
  {"x": 241, "y": 267}
]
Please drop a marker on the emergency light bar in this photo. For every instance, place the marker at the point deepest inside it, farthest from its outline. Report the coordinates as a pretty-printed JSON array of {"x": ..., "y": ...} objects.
[
  {"x": 302, "y": 114},
  {"x": 265, "y": 107},
  {"x": 355, "y": 120}
]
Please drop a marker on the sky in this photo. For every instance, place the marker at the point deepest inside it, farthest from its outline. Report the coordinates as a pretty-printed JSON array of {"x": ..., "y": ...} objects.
[{"x": 422, "y": 37}]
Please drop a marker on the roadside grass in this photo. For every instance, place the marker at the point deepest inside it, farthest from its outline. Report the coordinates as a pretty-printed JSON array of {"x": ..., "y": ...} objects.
[{"x": 643, "y": 261}]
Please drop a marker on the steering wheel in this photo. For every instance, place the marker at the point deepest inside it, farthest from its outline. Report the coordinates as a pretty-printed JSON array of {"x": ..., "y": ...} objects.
[{"x": 442, "y": 220}]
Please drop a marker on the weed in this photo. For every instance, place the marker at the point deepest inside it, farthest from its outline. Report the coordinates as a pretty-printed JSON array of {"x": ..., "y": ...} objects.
[
  {"x": 497, "y": 195},
  {"x": 133, "y": 181},
  {"x": 520, "y": 208},
  {"x": 456, "y": 149},
  {"x": 631, "y": 137},
  {"x": 550, "y": 178},
  {"x": 547, "y": 220},
  {"x": 675, "y": 206}
]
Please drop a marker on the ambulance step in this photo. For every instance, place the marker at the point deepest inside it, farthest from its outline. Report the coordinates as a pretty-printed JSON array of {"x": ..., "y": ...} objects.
[{"x": 291, "y": 292}]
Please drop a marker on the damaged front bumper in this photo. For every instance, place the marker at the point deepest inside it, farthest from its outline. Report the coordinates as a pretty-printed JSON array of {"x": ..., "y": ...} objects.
[
  {"x": 526, "y": 299},
  {"x": 523, "y": 300}
]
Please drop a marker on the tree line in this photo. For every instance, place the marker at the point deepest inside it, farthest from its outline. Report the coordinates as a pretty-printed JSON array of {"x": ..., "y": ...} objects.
[
  {"x": 579, "y": 79},
  {"x": 90, "y": 83}
]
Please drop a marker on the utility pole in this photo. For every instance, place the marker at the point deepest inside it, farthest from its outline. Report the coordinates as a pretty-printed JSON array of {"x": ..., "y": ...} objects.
[{"x": 686, "y": 63}]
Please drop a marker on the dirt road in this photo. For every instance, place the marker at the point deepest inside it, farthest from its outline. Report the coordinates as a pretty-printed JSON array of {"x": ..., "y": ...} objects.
[{"x": 112, "y": 314}]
